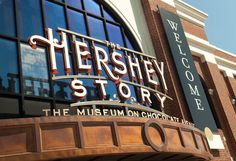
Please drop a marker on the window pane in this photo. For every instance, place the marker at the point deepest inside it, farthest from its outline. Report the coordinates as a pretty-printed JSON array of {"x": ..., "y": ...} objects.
[
  {"x": 54, "y": 16},
  {"x": 92, "y": 7},
  {"x": 111, "y": 87},
  {"x": 35, "y": 71},
  {"x": 35, "y": 108},
  {"x": 9, "y": 79},
  {"x": 107, "y": 52},
  {"x": 128, "y": 43},
  {"x": 62, "y": 89},
  {"x": 76, "y": 22},
  {"x": 74, "y": 3},
  {"x": 9, "y": 108},
  {"x": 111, "y": 90},
  {"x": 96, "y": 28},
  {"x": 108, "y": 16},
  {"x": 115, "y": 35},
  {"x": 92, "y": 92},
  {"x": 60, "y": 64},
  {"x": 7, "y": 18},
  {"x": 29, "y": 13}
]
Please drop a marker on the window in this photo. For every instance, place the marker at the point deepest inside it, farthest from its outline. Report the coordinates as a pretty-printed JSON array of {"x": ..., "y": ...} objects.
[
  {"x": 74, "y": 3},
  {"x": 61, "y": 87},
  {"x": 96, "y": 28},
  {"x": 76, "y": 22},
  {"x": 114, "y": 33},
  {"x": 26, "y": 85},
  {"x": 30, "y": 24},
  {"x": 108, "y": 16},
  {"x": 128, "y": 43},
  {"x": 92, "y": 7},
  {"x": 55, "y": 16},
  {"x": 9, "y": 107},
  {"x": 35, "y": 108},
  {"x": 7, "y": 17},
  {"x": 35, "y": 71},
  {"x": 9, "y": 78}
]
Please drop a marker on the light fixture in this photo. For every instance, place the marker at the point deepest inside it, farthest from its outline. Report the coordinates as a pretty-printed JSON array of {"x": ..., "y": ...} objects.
[
  {"x": 210, "y": 91},
  {"x": 233, "y": 101}
]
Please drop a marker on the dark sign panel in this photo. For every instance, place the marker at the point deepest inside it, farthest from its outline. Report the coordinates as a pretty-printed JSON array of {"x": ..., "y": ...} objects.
[{"x": 190, "y": 81}]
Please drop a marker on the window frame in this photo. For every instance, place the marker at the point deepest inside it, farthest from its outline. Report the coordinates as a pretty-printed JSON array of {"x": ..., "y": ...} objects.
[{"x": 21, "y": 96}]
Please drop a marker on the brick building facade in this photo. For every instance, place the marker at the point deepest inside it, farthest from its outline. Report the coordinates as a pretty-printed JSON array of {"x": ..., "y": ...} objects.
[
  {"x": 215, "y": 66},
  {"x": 118, "y": 128}
]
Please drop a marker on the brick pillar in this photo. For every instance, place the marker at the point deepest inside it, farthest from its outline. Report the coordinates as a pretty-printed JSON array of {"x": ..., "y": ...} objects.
[
  {"x": 222, "y": 104},
  {"x": 223, "y": 154},
  {"x": 178, "y": 106},
  {"x": 231, "y": 84}
]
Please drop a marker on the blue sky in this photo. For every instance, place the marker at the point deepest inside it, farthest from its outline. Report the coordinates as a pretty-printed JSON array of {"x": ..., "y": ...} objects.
[{"x": 221, "y": 23}]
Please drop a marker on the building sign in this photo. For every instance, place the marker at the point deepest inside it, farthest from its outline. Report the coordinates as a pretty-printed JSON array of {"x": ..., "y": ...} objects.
[
  {"x": 189, "y": 78},
  {"x": 130, "y": 110},
  {"x": 144, "y": 72}
]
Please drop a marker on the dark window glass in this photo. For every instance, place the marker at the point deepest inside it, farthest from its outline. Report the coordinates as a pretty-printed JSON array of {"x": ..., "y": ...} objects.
[
  {"x": 54, "y": 16},
  {"x": 9, "y": 108},
  {"x": 96, "y": 28},
  {"x": 74, "y": 3},
  {"x": 35, "y": 108},
  {"x": 61, "y": 87},
  {"x": 92, "y": 7},
  {"x": 111, "y": 87},
  {"x": 111, "y": 90},
  {"x": 7, "y": 18},
  {"x": 134, "y": 97},
  {"x": 115, "y": 35},
  {"x": 107, "y": 51},
  {"x": 60, "y": 64},
  {"x": 108, "y": 16},
  {"x": 128, "y": 43},
  {"x": 76, "y": 22},
  {"x": 89, "y": 61},
  {"x": 35, "y": 71},
  {"x": 9, "y": 79},
  {"x": 92, "y": 92},
  {"x": 29, "y": 18}
]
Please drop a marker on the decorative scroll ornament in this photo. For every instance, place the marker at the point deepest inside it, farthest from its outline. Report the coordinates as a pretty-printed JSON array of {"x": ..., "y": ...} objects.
[
  {"x": 53, "y": 44},
  {"x": 141, "y": 68}
]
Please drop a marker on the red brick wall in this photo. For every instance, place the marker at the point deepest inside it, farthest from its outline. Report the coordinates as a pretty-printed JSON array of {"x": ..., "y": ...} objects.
[
  {"x": 222, "y": 154},
  {"x": 193, "y": 29},
  {"x": 224, "y": 55},
  {"x": 230, "y": 84},
  {"x": 210, "y": 73},
  {"x": 204, "y": 71},
  {"x": 177, "y": 107}
]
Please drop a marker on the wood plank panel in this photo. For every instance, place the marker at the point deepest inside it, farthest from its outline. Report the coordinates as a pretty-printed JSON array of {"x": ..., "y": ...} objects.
[
  {"x": 130, "y": 134},
  {"x": 98, "y": 135},
  {"x": 59, "y": 137},
  {"x": 16, "y": 140},
  {"x": 99, "y": 138},
  {"x": 173, "y": 137},
  {"x": 188, "y": 139}
]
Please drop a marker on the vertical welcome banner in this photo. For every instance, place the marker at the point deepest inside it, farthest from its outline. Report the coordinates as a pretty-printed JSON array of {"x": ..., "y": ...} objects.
[{"x": 189, "y": 78}]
